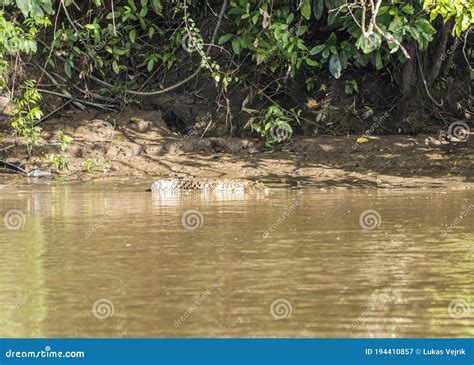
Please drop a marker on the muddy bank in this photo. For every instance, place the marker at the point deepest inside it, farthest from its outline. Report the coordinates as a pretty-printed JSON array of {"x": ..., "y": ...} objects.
[{"x": 144, "y": 147}]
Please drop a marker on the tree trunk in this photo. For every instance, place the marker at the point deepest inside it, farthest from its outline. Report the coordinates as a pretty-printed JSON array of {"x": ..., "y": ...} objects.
[
  {"x": 409, "y": 74},
  {"x": 441, "y": 55}
]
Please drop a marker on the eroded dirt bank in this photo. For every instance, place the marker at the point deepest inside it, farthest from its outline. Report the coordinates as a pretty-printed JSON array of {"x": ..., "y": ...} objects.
[{"x": 144, "y": 147}]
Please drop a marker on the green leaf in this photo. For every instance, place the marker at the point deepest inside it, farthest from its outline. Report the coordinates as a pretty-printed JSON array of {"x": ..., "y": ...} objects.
[
  {"x": 236, "y": 46},
  {"x": 132, "y": 35},
  {"x": 317, "y": 49},
  {"x": 156, "y": 4},
  {"x": 378, "y": 61},
  {"x": 225, "y": 38},
  {"x": 120, "y": 51},
  {"x": 290, "y": 18},
  {"x": 425, "y": 26},
  {"x": 318, "y": 9},
  {"x": 416, "y": 34},
  {"x": 115, "y": 67},
  {"x": 150, "y": 64},
  {"x": 68, "y": 68},
  {"x": 370, "y": 43},
  {"x": 332, "y": 40},
  {"x": 408, "y": 9},
  {"x": 255, "y": 17},
  {"x": 306, "y": 9},
  {"x": 151, "y": 32},
  {"x": 301, "y": 30},
  {"x": 24, "y": 6}
]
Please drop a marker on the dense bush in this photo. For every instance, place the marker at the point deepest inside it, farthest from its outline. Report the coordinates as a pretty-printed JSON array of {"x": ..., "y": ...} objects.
[{"x": 112, "y": 50}]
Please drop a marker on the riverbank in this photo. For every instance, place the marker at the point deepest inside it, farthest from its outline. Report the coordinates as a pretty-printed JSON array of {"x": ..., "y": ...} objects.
[{"x": 125, "y": 145}]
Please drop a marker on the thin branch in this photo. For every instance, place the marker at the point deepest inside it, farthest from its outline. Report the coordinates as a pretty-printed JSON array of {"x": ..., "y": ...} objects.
[
  {"x": 392, "y": 39},
  {"x": 101, "y": 106}
]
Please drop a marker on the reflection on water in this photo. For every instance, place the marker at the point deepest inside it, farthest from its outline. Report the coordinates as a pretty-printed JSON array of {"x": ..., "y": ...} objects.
[{"x": 105, "y": 259}]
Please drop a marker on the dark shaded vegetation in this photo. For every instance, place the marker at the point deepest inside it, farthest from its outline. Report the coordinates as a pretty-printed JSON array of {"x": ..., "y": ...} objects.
[{"x": 265, "y": 68}]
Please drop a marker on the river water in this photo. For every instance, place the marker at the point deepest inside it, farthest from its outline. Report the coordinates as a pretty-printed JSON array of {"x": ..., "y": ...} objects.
[{"x": 106, "y": 259}]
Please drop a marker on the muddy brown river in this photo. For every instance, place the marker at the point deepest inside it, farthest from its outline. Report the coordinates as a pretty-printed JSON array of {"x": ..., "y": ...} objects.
[{"x": 105, "y": 259}]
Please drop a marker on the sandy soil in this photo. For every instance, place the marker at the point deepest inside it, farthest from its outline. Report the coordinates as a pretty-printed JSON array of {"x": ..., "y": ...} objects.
[{"x": 126, "y": 145}]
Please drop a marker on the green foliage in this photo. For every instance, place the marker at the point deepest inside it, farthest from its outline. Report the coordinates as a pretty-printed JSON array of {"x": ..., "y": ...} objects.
[
  {"x": 461, "y": 10},
  {"x": 91, "y": 165},
  {"x": 26, "y": 114},
  {"x": 15, "y": 38},
  {"x": 59, "y": 162},
  {"x": 109, "y": 40},
  {"x": 32, "y": 8},
  {"x": 274, "y": 37},
  {"x": 139, "y": 41},
  {"x": 281, "y": 37},
  {"x": 274, "y": 124},
  {"x": 351, "y": 86},
  {"x": 64, "y": 140}
]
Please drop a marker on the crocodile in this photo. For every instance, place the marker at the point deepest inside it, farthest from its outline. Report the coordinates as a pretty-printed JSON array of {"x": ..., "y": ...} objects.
[{"x": 205, "y": 184}]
